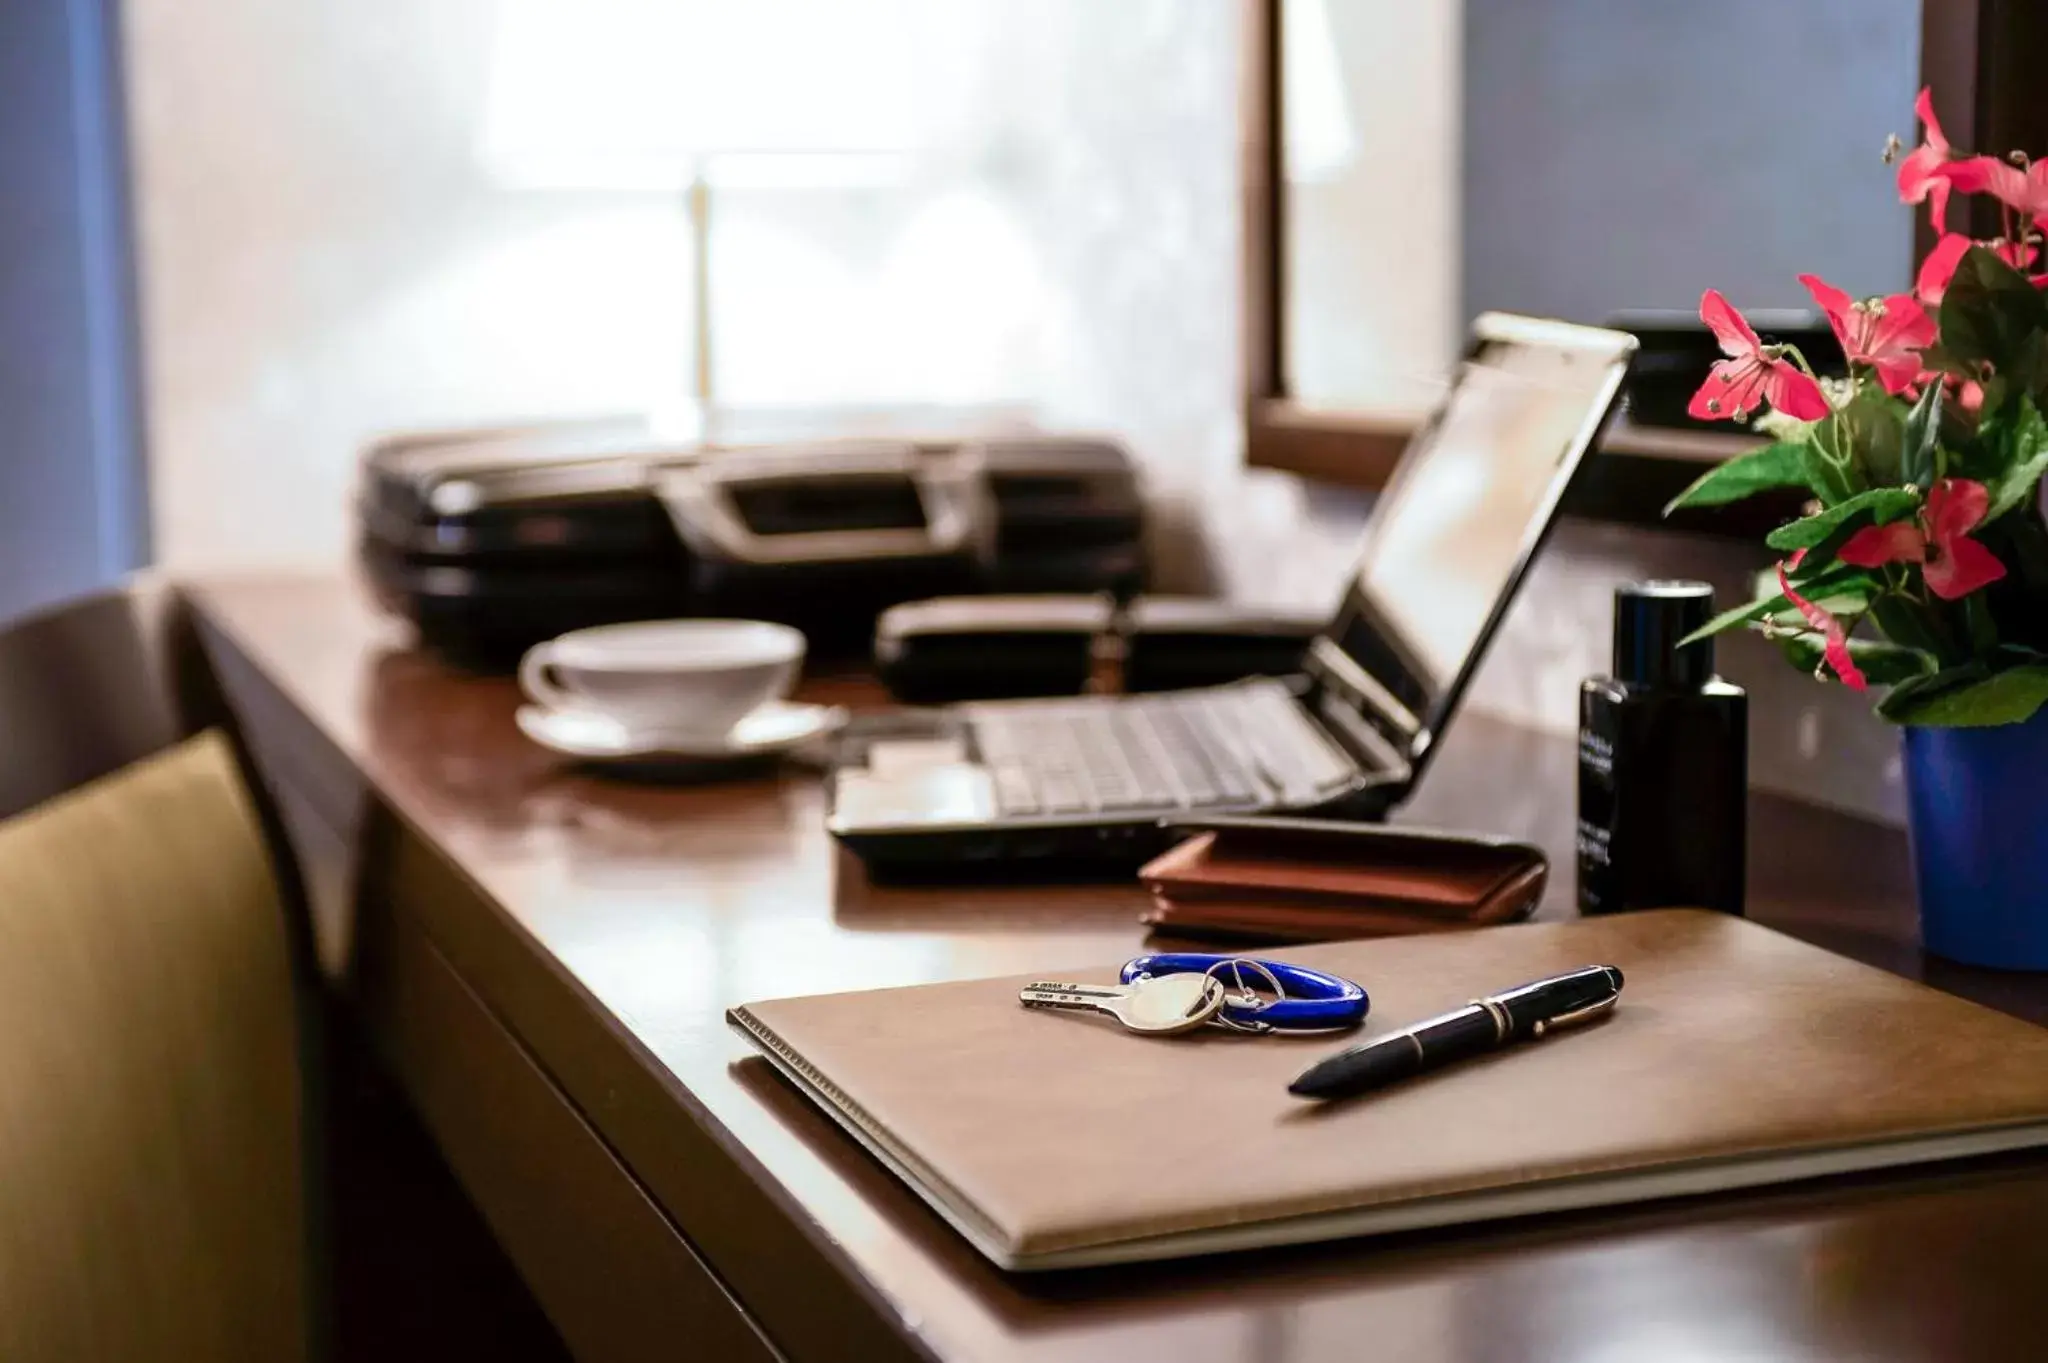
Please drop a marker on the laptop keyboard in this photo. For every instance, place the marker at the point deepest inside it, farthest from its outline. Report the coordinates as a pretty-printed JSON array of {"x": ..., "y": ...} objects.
[{"x": 1223, "y": 748}]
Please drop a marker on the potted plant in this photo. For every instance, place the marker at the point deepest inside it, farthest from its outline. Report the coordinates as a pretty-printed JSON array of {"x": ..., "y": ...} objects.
[{"x": 1920, "y": 564}]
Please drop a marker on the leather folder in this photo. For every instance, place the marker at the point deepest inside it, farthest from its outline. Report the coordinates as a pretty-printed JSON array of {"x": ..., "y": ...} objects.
[
  {"x": 1737, "y": 1057},
  {"x": 1316, "y": 880}
]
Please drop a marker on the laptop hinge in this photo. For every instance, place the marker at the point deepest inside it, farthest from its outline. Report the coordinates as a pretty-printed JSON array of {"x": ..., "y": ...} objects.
[
  {"x": 1362, "y": 743},
  {"x": 1352, "y": 702}
]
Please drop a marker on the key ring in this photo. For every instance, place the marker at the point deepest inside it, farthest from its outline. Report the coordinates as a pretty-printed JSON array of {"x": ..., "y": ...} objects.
[{"x": 1304, "y": 1000}]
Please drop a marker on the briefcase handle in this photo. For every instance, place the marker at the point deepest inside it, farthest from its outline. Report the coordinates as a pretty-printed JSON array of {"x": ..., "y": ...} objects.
[{"x": 699, "y": 499}]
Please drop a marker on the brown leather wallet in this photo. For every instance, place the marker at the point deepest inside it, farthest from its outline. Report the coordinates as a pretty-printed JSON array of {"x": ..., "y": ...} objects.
[{"x": 1316, "y": 880}]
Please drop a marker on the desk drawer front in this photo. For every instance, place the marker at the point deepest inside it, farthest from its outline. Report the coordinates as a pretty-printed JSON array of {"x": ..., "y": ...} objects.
[{"x": 619, "y": 1281}]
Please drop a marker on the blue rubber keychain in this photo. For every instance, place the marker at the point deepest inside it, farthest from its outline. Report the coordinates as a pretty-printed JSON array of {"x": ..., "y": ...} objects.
[{"x": 1302, "y": 1000}]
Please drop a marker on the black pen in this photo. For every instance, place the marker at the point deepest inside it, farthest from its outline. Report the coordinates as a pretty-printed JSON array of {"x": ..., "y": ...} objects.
[{"x": 1531, "y": 1010}]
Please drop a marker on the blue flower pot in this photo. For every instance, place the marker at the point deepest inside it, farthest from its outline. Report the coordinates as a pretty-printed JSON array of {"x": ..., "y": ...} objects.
[{"x": 1977, "y": 800}]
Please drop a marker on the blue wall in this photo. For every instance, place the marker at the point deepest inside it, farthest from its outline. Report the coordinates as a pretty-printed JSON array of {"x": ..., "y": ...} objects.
[
  {"x": 72, "y": 504},
  {"x": 1626, "y": 154}
]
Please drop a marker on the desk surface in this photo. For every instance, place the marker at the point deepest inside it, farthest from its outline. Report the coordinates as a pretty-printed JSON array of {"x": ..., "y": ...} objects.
[{"x": 608, "y": 926}]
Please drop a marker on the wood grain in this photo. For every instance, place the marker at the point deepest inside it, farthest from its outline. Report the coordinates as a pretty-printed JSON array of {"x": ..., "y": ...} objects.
[{"x": 606, "y": 927}]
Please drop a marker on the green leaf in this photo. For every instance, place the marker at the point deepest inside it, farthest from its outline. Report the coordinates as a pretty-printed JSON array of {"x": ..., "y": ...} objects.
[
  {"x": 1989, "y": 310},
  {"x": 2026, "y": 370},
  {"x": 1780, "y": 465},
  {"x": 2006, "y": 697},
  {"x": 1982, "y": 454},
  {"x": 2025, "y": 547},
  {"x": 1883, "y": 664},
  {"x": 1816, "y": 576},
  {"x": 1738, "y": 615},
  {"x": 2027, "y": 458},
  {"x": 1881, "y": 505},
  {"x": 2021, "y": 379},
  {"x": 1977, "y": 619},
  {"x": 1840, "y": 590},
  {"x": 1827, "y": 461},
  {"x": 1914, "y": 692},
  {"x": 1905, "y": 623},
  {"x": 1941, "y": 359},
  {"x": 1923, "y": 434},
  {"x": 1874, "y": 435}
]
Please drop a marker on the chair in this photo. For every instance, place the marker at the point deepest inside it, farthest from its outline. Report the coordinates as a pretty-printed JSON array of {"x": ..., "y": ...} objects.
[
  {"x": 388, "y": 1260},
  {"x": 84, "y": 691},
  {"x": 152, "y": 1185}
]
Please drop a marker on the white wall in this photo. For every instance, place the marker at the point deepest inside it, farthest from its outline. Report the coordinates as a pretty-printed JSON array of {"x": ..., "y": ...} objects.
[{"x": 325, "y": 255}]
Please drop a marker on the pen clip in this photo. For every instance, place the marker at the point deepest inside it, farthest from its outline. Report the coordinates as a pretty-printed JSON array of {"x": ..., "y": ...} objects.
[{"x": 1577, "y": 1015}]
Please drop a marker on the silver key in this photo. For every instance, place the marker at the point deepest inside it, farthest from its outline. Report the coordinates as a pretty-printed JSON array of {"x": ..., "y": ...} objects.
[{"x": 1161, "y": 1004}]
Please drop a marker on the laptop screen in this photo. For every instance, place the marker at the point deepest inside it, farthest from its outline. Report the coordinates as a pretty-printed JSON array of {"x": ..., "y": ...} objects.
[{"x": 1451, "y": 536}]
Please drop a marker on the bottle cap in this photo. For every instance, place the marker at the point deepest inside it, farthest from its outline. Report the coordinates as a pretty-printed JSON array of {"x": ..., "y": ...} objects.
[{"x": 1649, "y": 620}]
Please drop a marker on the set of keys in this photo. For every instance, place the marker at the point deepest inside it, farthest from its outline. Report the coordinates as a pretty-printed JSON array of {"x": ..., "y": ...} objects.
[
  {"x": 1161, "y": 1004},
  {"x": 1176, "y": 992}
]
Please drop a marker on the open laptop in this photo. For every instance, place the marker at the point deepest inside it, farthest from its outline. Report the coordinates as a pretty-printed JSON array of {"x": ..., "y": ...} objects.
[{"x": 1088, "y": 778}]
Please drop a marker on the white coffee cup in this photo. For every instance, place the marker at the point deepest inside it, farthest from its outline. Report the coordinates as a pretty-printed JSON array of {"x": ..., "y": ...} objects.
[{"x": 678, "y": 676}]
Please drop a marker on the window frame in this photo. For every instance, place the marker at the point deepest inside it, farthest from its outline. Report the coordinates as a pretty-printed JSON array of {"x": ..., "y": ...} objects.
[{"x": 1972, "y": 53}]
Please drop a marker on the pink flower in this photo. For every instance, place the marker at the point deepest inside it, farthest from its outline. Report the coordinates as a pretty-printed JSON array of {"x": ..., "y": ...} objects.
[
  {"x": 1940, "y": 266},
  {"x": 1753, "y": 373},
  {"x": 1836, "y": 649},
  {"x": 2024, "y": 191},
  {"x": 1887, "y": 334},
  {"x": 1953, "y": 564},
  {"x": 1919, "y": 173},
  {"x": 1970, "y": 174}
]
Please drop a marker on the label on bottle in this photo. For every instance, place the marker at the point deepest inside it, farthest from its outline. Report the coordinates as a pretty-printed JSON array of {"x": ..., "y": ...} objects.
[{"x": 1595, "y": 835}]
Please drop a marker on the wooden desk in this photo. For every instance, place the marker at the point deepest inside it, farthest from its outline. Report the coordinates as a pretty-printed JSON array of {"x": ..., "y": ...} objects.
[{"x": 545, "y": 957}]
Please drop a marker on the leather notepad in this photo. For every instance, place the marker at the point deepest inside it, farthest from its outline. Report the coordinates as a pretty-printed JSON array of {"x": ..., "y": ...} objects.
[
  {"x": 1317, "y": 880},
  {"x": 1737, "y": 1057}
]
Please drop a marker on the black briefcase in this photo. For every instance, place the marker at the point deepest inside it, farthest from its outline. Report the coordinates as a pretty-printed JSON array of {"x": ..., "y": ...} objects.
[{"x": 491, "y": 541}]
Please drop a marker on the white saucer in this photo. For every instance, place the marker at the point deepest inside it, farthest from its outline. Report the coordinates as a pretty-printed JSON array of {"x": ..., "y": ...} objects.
[{"x": 593, "y": 736}]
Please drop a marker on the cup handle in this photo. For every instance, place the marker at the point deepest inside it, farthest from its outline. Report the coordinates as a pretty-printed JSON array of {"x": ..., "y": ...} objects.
[{"x": 534, "y": 679}]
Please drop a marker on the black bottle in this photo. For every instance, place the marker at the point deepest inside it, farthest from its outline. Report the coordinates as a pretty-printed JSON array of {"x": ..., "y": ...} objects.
[{"x": 1663, "y": 762}]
